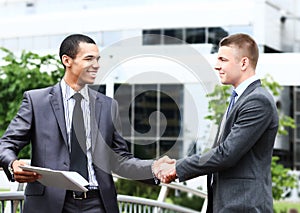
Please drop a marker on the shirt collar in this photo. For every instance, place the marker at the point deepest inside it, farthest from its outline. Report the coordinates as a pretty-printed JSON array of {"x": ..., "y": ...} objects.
[
  {"x": 243, "y": 86},
  {"x": 68, "y": 92}
]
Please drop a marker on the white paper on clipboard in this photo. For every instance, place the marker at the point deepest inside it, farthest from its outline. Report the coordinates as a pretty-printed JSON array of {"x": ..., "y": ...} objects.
[{"x": 68, "y": 180}]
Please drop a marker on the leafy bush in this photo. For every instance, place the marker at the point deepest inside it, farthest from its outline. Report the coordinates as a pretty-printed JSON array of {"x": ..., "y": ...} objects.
[
  {"x": 18, "y": 74},
  {"x": 281, "y": 178}
]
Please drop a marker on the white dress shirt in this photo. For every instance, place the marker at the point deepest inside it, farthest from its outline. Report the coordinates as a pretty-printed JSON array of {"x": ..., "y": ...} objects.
[{"x": 69, "y": 102}]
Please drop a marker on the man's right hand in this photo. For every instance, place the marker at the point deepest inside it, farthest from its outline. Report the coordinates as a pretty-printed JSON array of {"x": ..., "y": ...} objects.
[{"x": 23, "y": 176}]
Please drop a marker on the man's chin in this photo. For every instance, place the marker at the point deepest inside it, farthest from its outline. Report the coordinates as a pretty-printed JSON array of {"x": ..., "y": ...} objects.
[{"x": 90, "y": 81}]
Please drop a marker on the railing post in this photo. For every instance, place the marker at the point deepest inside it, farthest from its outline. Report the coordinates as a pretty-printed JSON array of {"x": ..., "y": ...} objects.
[
  {"x": 163, "y": 193},
  {"x": 21, "y": 206},
  {"x": 12, "y": 206},
  {"x": 204, "y": 206},
  {"x": 2, "y": 206}
]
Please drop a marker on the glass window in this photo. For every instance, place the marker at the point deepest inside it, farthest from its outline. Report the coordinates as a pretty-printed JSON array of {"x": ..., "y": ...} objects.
[
  {"x": 195, "y": 35},
  {"x": 145, "y": 149},
  {"x": 152, "y": 37},
  {"x": 215, "y": 34},
  {"x": 298, "y": 102},
  {"x": 122, "y": 93},
  {"x": 141, "y": 106},
  {"x": 170, "y": 106},
  {"x": 297, "y": 148},
  {"x": 145, "y": 103},
  {"x": 298, "y": 126},
  {"x": 172, "y": 148},
  {"x": 173, "y": 36}
]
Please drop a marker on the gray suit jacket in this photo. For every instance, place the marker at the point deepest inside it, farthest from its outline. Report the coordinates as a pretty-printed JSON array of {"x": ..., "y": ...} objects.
[
  {"x": 240, "y": 160},
  {"x": 41, "y": 122}
]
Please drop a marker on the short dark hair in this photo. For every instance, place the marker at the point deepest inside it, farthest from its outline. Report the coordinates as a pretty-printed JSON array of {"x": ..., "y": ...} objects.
[
  {"x": 70, "y": 45},
  {"x": 246, "y": 45}
]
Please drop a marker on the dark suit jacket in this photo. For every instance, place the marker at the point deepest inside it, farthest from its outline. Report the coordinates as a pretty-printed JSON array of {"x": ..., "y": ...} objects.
[
  {"x": 41, "y": 121},
  {"x": 240, "y": 160}
]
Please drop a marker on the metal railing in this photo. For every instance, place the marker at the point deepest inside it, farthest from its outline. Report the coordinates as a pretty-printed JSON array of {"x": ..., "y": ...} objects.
[
  {"x": 15, "y": 199},
  {"x": 127, "y": 204}
]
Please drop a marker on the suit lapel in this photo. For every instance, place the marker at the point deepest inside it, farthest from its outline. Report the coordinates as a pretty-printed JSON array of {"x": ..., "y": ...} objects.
[
  {"x": 56, "y": 102},
  {"x": 95, "y": 113},
  {"x": 248, "y": 90}
]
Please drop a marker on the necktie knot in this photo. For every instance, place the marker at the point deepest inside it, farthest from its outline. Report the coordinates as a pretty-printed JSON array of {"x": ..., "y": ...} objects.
[
  {"x": 78, "y": 97},
  {"x": 233, "y": 94},
  {"x": 232, "y": 101}
]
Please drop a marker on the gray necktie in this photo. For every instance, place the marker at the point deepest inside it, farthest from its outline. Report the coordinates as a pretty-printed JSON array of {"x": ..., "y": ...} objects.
[
  {"x": 78, "y": 159},
  {"x": 232, "y": 101}
]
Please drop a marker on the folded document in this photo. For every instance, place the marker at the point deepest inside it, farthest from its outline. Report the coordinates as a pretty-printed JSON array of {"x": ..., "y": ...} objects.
[{"x": 68, "y": 180}]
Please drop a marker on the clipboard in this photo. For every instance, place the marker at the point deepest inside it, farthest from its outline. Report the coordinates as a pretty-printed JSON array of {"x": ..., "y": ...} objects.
[{"x": 68, "y": 180}]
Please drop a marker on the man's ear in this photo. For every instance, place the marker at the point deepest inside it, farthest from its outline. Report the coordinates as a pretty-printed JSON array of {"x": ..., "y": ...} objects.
[
  {"x": 244, "y": 63},
  {"x": 66, "y": 60}
]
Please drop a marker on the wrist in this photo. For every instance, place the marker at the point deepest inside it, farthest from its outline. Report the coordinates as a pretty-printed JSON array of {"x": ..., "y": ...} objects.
[
  {"x": 156, "y": 180},
  {"x": 11, "y": 170}
]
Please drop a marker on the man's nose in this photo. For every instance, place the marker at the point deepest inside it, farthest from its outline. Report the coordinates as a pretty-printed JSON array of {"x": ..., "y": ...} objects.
[
  {"x": 217, "y": 67},
  {"x": 96, "y": 64}
]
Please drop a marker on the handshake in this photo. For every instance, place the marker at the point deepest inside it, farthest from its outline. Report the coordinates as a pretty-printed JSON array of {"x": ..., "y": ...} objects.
[{"x": 165, "y": 169}]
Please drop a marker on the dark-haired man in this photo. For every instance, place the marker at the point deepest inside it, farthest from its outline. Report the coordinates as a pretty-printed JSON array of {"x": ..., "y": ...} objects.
[{"x": 45, "y": 119}]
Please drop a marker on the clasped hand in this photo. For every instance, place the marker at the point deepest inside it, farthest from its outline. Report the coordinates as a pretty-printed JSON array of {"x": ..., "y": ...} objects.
[{"x": 165, "y": 169}]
